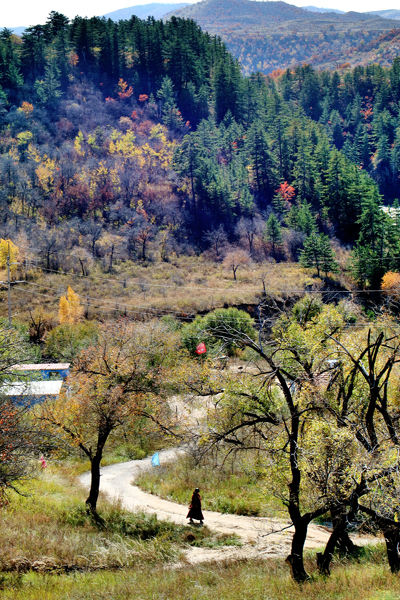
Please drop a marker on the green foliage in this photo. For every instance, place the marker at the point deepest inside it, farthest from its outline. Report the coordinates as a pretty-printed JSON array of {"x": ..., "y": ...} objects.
[
  {"x": 213, "y": 329},
  {"x": 273, "y": 232},
  {"x": 66, "y": 341},
  {"x": 318, "y": 254},
  {"x": 307, "y": 309}
]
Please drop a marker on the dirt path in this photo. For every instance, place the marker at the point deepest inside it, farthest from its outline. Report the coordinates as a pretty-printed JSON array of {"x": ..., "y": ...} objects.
[{"x": 260, "y": 536}]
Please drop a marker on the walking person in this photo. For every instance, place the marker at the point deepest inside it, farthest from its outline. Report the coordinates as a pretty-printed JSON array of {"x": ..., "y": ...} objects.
[{"x": 195, "y": 508}]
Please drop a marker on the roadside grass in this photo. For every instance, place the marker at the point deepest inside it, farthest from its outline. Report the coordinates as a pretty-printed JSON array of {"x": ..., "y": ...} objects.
[
  {"x": 368, "y": 579},
  {"x": 183, "y": 286},
  {"x": 50, "y": 525},
  {"x": 235, "y": 487}
]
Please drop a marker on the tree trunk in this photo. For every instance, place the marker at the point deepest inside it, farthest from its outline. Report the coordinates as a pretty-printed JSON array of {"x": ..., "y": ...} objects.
[
  {"x": 391, "y": 531},
  {"x": 392, "y": 540},
  {"x": 339, "y": 538},
  {"x": 346, "y": 546},
  {"x": 295, "y": 559},
  {"x": 94, "y": 482}
]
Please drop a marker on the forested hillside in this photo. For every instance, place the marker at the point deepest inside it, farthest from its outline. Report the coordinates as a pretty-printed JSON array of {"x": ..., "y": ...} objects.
[
  {"x": 140, "y": 139},
  {"x": 213, "y": 15},
  {"x": 265, "y": 36},
  {"x": 386, "y": 14},
  {"x": 329, "y": 49}
]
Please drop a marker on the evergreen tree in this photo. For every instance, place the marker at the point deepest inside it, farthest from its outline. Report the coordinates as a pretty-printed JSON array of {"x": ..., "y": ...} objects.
[
  {"x": 273, "y": 232},
  {"x": 171, "y": 115},
  {"x": 301, "y": 218},
  {"x": 48, "y": 90},
  {"x": 317, "y": 253}
]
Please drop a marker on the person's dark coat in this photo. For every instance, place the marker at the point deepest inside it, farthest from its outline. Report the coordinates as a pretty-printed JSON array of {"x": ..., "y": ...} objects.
[{"x": 195, "y": 508}]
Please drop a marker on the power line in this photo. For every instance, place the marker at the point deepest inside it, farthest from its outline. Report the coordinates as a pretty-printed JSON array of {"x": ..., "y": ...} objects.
[
  {"x": 198, "y": 288},
  {"x": 149, "y": 312}
]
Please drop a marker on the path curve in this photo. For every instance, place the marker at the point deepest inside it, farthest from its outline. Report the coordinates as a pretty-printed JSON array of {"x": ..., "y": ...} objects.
[{"x": 260, "y": 536}]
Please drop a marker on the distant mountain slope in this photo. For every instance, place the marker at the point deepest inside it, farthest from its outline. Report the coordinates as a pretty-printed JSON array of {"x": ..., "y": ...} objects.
[
  {"x": 271, "y": 35},
  {"x": 386, "y": 14},
  {"x": 381, "y": 50},
  {"x": 248, "y": 12},
  {"x": 155, "y": 9},
  {"x": 323, "y": 10},
  {"x": 218, "y": 15}
]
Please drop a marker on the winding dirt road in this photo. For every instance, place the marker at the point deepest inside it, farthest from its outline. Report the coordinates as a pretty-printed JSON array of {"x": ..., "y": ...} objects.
[{"x": 260, "y": 536}]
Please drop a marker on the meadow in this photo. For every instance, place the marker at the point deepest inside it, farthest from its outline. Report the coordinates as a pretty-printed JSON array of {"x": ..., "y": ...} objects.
[
  {"x": 248, "y": 580},
  {"x": 183, "y": 287},
  {"x": 52, "y": 549}
]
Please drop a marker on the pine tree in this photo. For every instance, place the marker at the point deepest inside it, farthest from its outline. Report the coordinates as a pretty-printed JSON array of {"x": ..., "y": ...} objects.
[
  {"x": 171, "y": 115},
  {"x": 317, "y": 253},
  {"x": 273, "y": 232},
  {"x": 48, "y": 90},
  {"x": 301, "y": 218}
]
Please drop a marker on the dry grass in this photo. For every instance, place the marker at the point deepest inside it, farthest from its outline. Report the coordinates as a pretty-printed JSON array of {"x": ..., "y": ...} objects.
[
  {"x": 257, "y": 580},
  {"x": 50, "y": 525},
  {"x": 50, "y": 522},
  {"x": 184, "y": 286}
]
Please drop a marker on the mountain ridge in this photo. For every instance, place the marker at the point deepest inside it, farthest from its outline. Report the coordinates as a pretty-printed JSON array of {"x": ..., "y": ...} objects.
[
  {"x": 207, "y": 13},
  {"x": 317, "y": 9},
  {"x": 143, "y": 11},
  {"x": 386, "y": 14}
]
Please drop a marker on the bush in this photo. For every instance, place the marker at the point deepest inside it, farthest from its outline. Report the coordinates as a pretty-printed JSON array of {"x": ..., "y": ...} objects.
[
  {"x": 214, "y": 328},
  {"x": 66, "y": 341}
]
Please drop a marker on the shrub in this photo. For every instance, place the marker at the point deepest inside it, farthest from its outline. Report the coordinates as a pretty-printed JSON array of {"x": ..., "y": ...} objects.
[{"x": 212, "y": 330}]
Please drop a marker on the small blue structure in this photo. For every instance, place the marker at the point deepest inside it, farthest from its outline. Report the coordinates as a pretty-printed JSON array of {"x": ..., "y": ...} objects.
[
  {"x": 47, "y": 370},
  {"x": 32, "y": 392},
  {"x": 40, "y": 382}
]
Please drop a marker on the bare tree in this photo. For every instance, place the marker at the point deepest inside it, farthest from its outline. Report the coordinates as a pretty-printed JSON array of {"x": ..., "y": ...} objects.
[
  {"x": 236, "y": 258},
  {"x": 217, "y": 239},
  {"x": 93, "y": 231},
  {"x": 249, "y": 230}
]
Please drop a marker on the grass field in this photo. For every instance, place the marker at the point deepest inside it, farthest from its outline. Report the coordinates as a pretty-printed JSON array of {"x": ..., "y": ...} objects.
[
  {"x": 51, "y": 550},
  {"x": 182, "y": 287},
  {"x": 368, "y": 579},
  {"x": 49, "y": 526}
]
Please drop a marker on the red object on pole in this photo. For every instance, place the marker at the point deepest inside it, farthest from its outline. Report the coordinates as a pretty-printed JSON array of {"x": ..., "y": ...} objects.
[{"x": 201, "y": 348}]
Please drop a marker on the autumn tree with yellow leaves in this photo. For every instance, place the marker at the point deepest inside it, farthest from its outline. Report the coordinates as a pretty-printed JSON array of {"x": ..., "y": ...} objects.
[
  {"x": 70, "y": 310},
  {"x": 391, "y": 286},
  {"x": 127, "y": 376},
  {"x": 8, "y": 248}
]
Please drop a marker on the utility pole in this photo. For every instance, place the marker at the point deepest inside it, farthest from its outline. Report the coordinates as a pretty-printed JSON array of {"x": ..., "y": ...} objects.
[
  {"x": 8, "y": 283},
  {"x": 9, "y": 288}
]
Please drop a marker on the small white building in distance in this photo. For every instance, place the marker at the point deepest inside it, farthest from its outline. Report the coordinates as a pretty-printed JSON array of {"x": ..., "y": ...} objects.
[{"x": 41, "y": 382}]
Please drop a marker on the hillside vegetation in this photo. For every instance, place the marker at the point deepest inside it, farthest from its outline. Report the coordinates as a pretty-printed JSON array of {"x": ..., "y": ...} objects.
[
  {"x": 124, "y": 143},
  {"x": 275, "y": 35}
]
